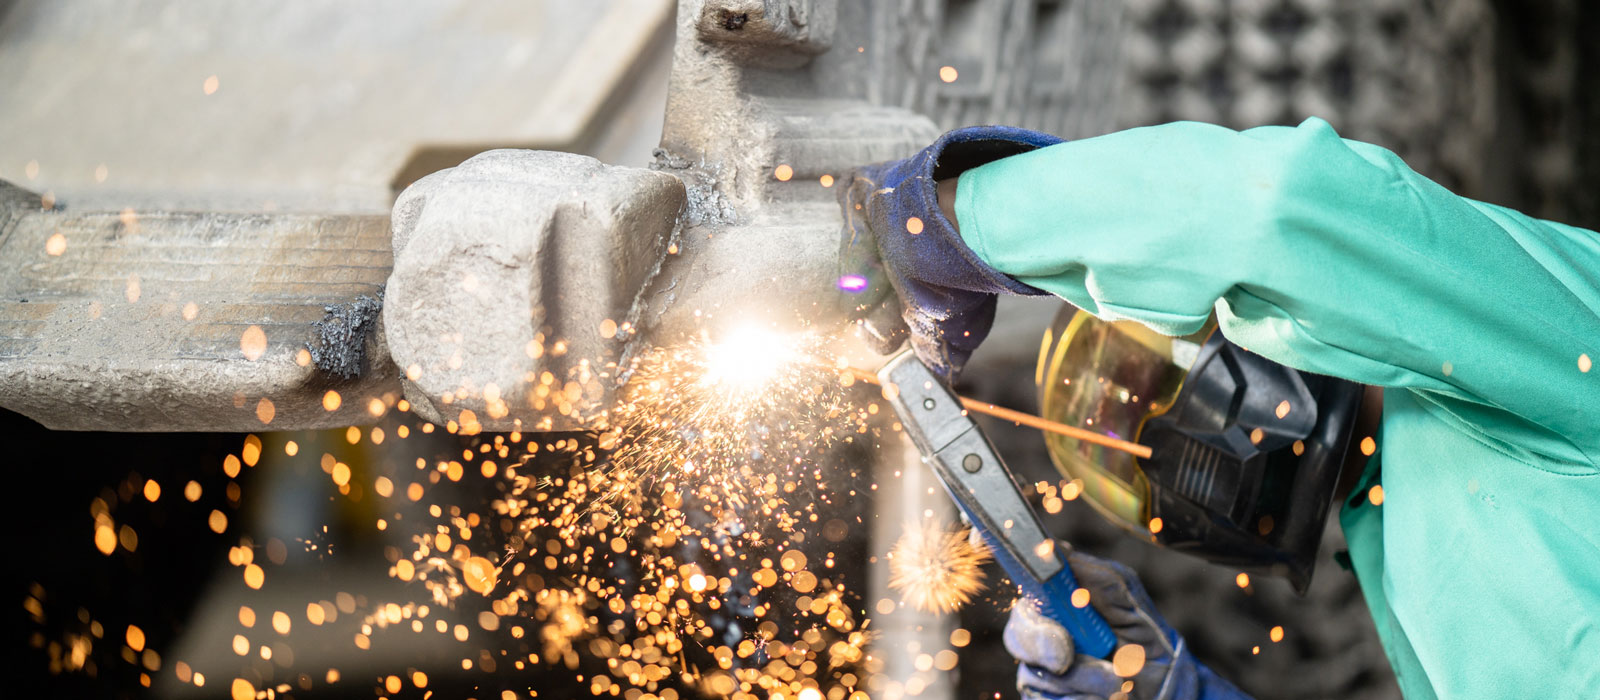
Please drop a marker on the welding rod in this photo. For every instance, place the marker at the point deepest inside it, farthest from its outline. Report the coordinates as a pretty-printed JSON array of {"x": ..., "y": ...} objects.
[{"x": 1030, "y": 420}]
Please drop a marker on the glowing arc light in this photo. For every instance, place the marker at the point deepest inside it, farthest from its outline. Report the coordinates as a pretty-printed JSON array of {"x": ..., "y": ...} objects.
[{"x": 748, "y": 360}]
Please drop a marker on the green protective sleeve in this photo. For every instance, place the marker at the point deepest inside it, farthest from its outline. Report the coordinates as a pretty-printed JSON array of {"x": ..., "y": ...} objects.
[{"x": 1327, "y": 255}]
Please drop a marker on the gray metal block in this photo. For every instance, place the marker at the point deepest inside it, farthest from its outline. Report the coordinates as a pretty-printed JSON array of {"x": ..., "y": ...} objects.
[
  {"x": 173, "y": 321},
  {"x": 778, "y": 33},
  {"x": 515, "y": 280},
  {"x": 517, "y": 250}
]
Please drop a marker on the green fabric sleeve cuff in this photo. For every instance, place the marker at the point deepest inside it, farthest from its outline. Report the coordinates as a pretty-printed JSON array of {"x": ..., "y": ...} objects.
[{"x": 967, "y": 221}]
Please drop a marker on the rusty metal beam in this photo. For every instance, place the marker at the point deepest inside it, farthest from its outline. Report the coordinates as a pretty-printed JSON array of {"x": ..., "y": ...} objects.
[{"x": 169, "y": 321}]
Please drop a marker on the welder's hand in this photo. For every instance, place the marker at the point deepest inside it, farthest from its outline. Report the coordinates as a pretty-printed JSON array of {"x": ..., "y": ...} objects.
[
  {"x": 1149, "y": 652},
  {"x": 904, "y": 268}
]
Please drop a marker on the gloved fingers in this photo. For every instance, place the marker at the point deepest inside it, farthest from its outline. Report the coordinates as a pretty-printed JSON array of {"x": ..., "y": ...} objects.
[
  {"x": 883, "y": 327},
  {"x": 1098, "y": 679},
  {"x": 1092, "y": 678},
  {"x": 1116, "y": 593},
  {"x": 1036, "y": 640},
  {"x": 1035, "y": 695},
  {"x": 947, "y": 326},
  {"x": 1149, "y": 654},
  {"x": 863, "y": 281}
]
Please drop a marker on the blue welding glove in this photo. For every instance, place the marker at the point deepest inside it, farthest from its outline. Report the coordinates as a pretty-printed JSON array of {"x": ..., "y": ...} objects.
[
  {"x": 1050, "y": 669},
  {"x": 896, "y": 239}
]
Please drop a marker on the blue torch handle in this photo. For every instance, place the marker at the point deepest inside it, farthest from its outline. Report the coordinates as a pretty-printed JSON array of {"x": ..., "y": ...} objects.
[
  {"x": 1090, "y": 632},
  {"x": 977, "y": 479}
]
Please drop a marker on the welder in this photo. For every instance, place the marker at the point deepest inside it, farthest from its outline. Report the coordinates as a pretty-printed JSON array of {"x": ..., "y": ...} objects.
[{"x": 1323, "y": 264}]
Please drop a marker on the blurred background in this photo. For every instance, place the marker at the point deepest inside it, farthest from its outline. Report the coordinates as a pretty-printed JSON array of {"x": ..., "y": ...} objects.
[{"x": 320, "y": 107}]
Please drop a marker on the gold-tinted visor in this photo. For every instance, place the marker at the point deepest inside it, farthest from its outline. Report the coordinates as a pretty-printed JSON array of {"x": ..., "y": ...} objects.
[{"x": 1109, "y": 377}]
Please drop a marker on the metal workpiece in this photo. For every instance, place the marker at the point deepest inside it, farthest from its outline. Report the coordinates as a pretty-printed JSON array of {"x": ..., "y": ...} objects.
[
  {"x": 176, "y": 321},
  {"x": 779, "y": 33},
  {"x": 525, "y": 281},
  {"x": 760, "y": 128},
  {"x": 744, "y": 101},
  {"x": 777, "y": 269},
  {"x": 515, "y": 280},
  {"x": 521, "y": 276}
]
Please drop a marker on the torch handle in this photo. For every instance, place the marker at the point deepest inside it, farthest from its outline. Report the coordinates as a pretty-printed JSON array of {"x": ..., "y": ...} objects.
[{"x": 958, "y": 452}]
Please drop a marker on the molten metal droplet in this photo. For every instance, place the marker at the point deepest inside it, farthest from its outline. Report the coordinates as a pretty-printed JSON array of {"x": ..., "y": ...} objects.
[
  {"x": 1128, "y": 660},
  {"x": 253, "y": 342},
  {"x": 254, "y": 576},
  {"x": 479, "y": 575},
  {"x": 948, "y": 74}
]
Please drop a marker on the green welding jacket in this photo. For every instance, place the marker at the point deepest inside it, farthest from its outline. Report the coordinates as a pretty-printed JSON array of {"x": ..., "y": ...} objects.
[{"x": 1481, "y": 562}]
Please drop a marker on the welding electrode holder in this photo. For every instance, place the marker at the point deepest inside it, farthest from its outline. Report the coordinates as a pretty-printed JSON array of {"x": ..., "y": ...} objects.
[{"x": 981, "y": 485}]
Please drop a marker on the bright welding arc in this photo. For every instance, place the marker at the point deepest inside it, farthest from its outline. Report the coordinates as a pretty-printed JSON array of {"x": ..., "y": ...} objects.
[{"x": 748, "y": 360}]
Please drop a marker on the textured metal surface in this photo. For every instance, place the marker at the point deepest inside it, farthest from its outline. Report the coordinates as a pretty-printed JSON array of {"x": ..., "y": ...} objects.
[
  {"x": 756, "y": 242},
  {"x": 514, "y": 277},
  {"x": 182, "y": 321},
  {"x": 769, "y": 103},
  {"x": 223, "y": 108}
]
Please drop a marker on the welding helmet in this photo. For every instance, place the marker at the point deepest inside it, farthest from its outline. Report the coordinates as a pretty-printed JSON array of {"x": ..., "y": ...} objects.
[{"x": 1245, "y": 452}]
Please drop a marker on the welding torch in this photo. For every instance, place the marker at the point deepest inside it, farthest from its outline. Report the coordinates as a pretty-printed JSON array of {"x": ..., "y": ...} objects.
[{"x": 970, "y": 469}]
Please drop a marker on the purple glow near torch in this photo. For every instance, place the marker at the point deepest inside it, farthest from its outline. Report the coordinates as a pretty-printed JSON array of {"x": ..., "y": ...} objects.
[{"x": 854, "y": 284}]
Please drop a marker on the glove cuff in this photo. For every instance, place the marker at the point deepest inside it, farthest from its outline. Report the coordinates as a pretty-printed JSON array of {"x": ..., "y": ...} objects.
[
  {"x": 947, "y": 260},
  {"x": 968, "y": 147}
]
